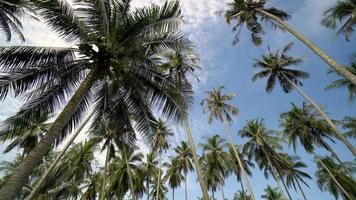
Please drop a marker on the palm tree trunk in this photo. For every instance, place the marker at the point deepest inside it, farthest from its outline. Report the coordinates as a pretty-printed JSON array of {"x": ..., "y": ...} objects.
[
  {"x": 58, "y": 158},
  {"x": 202, "y": 183},
  {"x": 23, "y": 171},
  {"x": 333, "y": 177},
  {"x": 331, "y": 62},
  {"x": 159, "y": 175},
  {"x": 222, "y": 191},
  {"x": 228, "y": 131},
  {"x": 173, "y": 193},
  {"x": 301, "y": 190},
  {"x": 212, "y": 192},
  {"x": 148, "y": 188},
  {"x": 102, "y": 193},
  {"x": 338, "y": 134},
  {"x": 132, "y": 188},
  {"x": 243, "y": 189},
  {"x": 186, "y": 185}
]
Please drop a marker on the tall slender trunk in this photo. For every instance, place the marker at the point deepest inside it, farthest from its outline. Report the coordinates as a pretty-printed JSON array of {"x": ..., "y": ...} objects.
[
  {"x": 102, "y": 192},
  {"x": 212, "y": 192},
  {"x": 333, "y": 177},
  {"x": 132, "y": 188},
  {"x": 148, "y": 188},
  {"x": 331, "y": 62},
  {"x": 222, "y": 191},
  {"x": 173, "y": 193},
  {"x": 202, "y": 183},
  {"x": 243, "y": 189},
  {"x": 20, "y": 175},
  {"x": 186, "y": 185},
  {"x": 228, "y": 131},
  {"x": 58, "y": 158},
  {"x": 159, "y": 175},
  {"x": 275, "y": 175},
  {"x": 338, "y": 134},
  {"x": 301, "y": 190}
]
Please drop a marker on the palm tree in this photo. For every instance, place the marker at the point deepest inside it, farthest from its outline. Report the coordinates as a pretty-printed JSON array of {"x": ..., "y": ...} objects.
[
  {"x": 179, "y": 64},
  {"x": 241, "y": 195},
  {"x": 275, "y": 65},
  {"x": 26, "y": 136},
  {"x": 10, "y": 13},
  {"x": 92, "y": 186},
  {"x": 272, "y": 194},
  {"x": 150, "y": 168},
  {"x": 184, "y": 157},
  {"x": 304, "y": 124},
  {"x": 215, "y": 104},
  {"x": 214, "y": 153},
  {"x": 294, "y": 174},
  {"x": 344, "y": 12},
  {"x": 139, "y": 180},
  {"x": 251, "y": 12},
  {"x": 349, "y": 123},
  {"x": 262, "y": 145},
  {"x": 113, "y": 45},
  {"x": 342, "y": 82},
  {"x": 340, "y": 184},
  {"x": 159, "y": 142},
  {"x": 160, "y": 189},
  {"x": 173, "y": 174},
  {"x": 122, "y": 169},
  {"x": 212, "y": 174}
]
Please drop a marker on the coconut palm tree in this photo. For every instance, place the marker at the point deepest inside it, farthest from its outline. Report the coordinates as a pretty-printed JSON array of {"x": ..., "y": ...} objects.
[
  {"x": 241, "y": 195},
  {"x": 344, "y": 186},
  {"x": 161, "y": 187},
  {"x": 111, "y": 45},
  {"x": 305, "y": 124},
  {"x": 252, "y": 12},
  {"x": 150, "y": 169},
  {"x": 92, "y": 186},
  {"x": 184, "y": 156},
  {"x": 122, "y": 170},
  {"x": 26, "y": 136},
  {"x": 294, "y": 174},
  {"x": 275, "y": 66},
  {"x": 344, "y": 13},
  {"x": 214, "y": 153},
  {"x": 262, "y": 145},
  {"x": 139, "y": 180},
  {"x": 272, "y": 194},
  {"x": 10, "y": 13},
  {"x": 178, "y": 65},
  {"x": 215, "y": 104},
  {"x": 160, "y": 141},
  {"x": 344, "y": 83},
  {"x": 349, "y": 123},
  {"x": 173, "y": 174},
  {"x": 211, "y": 174}
]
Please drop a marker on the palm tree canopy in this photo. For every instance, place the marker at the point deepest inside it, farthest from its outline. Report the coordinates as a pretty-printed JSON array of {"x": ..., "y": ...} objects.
[
  {"x": 272, "y": 194},
  {"x": 10, "y": 13},
  {"x": 275, "y": 67},
  {"x": 306, "y": 125},
  {"x": 184, "y": 156},
  {"x": 215, "y": 104},
  {"x": 114, "y": 40},
  {"x": 159, "y": 139},
  {"x": 342, "y": 12},
  {"x": 234, "y": 166},
  {"x": 341, "y": 174},
  {"x": 245, "y": 13},
  {"x": 242, "y": 195},
  {"x": 345, "y": 83},
  {"x": 349, "y": 123},
  {"x": 173, "y": 173}
]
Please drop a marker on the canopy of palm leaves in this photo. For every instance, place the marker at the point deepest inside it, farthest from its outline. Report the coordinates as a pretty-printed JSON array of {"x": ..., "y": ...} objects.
[
  {"x": 275, "y": 67},
  {"x": 159, "y": 139},
  {"x": 345, "y": 83},
  {"x": 235, "y": 167},
  {"x": 11, "y": 12},
  {"x": 241, "y": 195},
  {"x": 184, "y": 155},
  {"x": 174, "y": 175},
  {"x": 305, "y": 124},
  {"x": 161, "y": 187},
  {"x": 215, "y": 104},
  {"x": 272, "y": 194},
  {"x": 341, "y": 174},
  {"x": 342, "y": 12},
  {"x": 244, "y": 13},
  {"x": 349, "y": 123}
]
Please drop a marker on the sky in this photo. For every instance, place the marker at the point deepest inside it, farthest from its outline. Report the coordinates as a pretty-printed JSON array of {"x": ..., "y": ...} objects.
[{"x": 232, "y": 66}]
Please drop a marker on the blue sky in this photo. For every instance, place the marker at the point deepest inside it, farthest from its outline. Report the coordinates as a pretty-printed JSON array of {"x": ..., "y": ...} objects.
[{"x": 224, "y": 64}]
